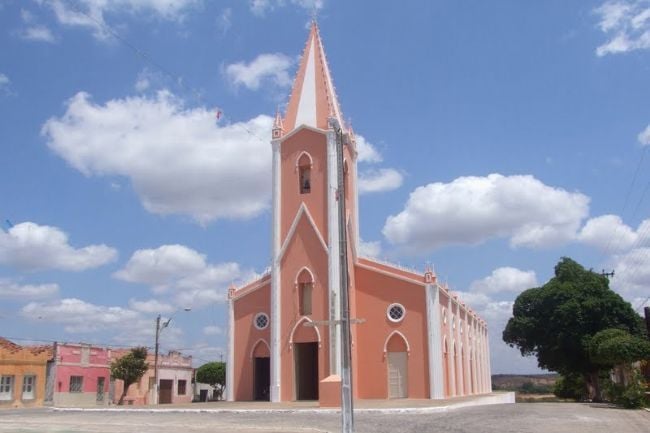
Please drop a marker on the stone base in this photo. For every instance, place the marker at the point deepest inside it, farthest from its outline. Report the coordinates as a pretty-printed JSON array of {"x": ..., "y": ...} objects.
[{"x": 329, "y": 391}]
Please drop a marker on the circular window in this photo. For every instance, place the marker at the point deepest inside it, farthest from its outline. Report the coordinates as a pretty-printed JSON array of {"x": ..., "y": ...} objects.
[
  {"x": 395, "y": 312},
  {"x": 261, "y": 321}
]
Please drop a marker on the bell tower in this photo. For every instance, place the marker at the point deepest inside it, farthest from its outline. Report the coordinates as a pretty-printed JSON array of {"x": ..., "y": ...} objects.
[{"x": 305, "y": 232}]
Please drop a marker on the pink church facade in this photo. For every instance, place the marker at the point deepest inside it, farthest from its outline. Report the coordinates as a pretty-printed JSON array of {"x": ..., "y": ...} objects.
[{"x": 412, "y": 337}]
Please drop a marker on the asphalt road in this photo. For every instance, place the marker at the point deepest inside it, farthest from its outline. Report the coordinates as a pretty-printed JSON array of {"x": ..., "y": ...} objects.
[{"x": 515, "y": 418}]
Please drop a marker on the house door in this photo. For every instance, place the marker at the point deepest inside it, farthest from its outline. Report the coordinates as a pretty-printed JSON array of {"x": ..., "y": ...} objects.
[
  {"x": 166, "y": 387},
  {"x": 397, "y": 374},
  {"x": 261, "y": 378},
  {"x": 306, "y": 370},
  {"x": 100, "y": 389}
]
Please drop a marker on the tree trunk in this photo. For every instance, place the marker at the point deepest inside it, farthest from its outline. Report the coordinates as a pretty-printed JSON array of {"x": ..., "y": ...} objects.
[
  {"x": 124, "y": 391},
  {"x": 593, "y": 386}
]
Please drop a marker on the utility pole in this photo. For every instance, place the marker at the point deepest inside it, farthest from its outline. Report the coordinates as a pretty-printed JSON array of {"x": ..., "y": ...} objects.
[
  {"x": 155, "y": 361},
  {"x": 607, "y": 274},
  {"x": 347, "y": 410},
  {"x": 646, "y": 311}
]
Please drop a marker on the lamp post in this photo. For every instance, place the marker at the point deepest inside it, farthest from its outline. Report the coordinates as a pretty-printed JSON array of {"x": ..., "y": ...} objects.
[{"x": 159, "y": 329}]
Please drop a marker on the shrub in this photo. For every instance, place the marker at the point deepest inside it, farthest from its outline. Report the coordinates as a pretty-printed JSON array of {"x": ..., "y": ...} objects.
[{"x": 570, "y": 386}]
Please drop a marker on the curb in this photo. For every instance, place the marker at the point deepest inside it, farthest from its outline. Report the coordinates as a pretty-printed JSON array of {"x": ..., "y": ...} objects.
[{"x": 506, "y": 398}]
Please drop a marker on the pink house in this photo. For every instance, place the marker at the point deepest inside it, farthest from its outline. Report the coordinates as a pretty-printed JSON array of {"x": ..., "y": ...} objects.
[
  {"x": 417, "y": 340},
  {"x": 175, "y": 375},
  {"x": 78, "y": 375}
]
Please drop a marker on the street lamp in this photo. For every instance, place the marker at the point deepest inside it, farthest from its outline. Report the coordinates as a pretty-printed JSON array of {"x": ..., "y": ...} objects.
[{"x": 159, "y": 329}]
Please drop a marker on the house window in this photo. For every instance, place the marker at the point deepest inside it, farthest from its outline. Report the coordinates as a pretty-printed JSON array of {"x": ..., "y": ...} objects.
[
  {"x": 28, "y": 387},
  {"x": 305, "y": 298},
  {"x": 6, "y": 388},
  {"x": 304, "y": 171},
  {"x": 76, "y": 383},
  {"x": 395, "y": 312},
  {"x": 182, "y": 387},
  {"x": 261, "y": 321}
]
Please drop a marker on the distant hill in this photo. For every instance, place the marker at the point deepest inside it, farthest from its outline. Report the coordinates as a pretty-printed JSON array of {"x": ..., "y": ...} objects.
[{"x": 525, "y": 383}]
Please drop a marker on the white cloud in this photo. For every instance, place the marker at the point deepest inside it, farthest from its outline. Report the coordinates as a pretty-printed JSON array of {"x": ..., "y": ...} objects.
[
  {"x": 91, "y": 13},
  {"x": 265, "y": 68},
  {"x": 261, "y": 7},
  {"x": 224, "y": 21},
  {"x": 369, "y": 249},
  {"x": 161, "y": 266},
  {"x": 626, "y": 23},
  {"x": 644, "y": 136},
  {"x": 608, "y": 233},
  {"x": 505, "y": 279},
  {"x": 632, "y": 277},
  {"x": 155, "y": 141},
  {"x": 176, "y": 267},
  {"x": 470, "y": 210},
  {"x": 79, "y": 316},
  {"x": 4, "y": 80},
  {"x": 38, "y": 33},
  {"x": 31, "y": 246},
  {"x": 12, "y": 290},
  {"x": 142, "y": 83},
  {"x": 150, "y": 306},
  {"x": 380, "y": 180},
  {"x": 212, "y": 330},
  {"x": 366, "y": 151}
]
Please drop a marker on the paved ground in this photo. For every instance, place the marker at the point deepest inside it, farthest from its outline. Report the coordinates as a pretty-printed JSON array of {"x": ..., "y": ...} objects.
[{"x": 505, "y": 418}]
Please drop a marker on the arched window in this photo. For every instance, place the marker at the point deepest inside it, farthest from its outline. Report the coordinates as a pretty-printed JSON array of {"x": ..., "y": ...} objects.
[
  {"x": 304, "y": 173},
  {"x": 305, "y": 283}
]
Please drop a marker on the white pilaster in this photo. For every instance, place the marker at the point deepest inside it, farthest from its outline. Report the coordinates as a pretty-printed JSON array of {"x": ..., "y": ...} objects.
[
  {"x": 230, "y": 366},
  {"x": 466, "y": 369},
  {"x": 475, "y": 363},
  {"x": 489, "y": 362},
  {"x": 333, "y": 258},
  {"x": 450, "y": 350},
  {"x": 483, "y": 362},
  {"x": 276, "y": 364},
  {"x": 434, "y": 335},
  {"x": 355, "y": 198}
]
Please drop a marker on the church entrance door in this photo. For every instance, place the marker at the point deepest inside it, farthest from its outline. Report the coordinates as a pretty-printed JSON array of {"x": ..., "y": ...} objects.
[
  {"x": 262, "y": 378},
  {"x": 306, "y": 370},
  {"x": 397, "y": 374}
]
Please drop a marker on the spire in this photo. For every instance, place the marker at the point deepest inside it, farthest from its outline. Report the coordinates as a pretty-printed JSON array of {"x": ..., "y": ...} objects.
[
  {"x": 278, "y": 128},
  {"x": 313, "y": 98}
]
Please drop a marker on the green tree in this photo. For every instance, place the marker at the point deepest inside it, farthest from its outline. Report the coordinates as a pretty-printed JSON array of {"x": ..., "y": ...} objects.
[
  {"x": 130, "y": 368},
  {"x": 557, "y": 321},
  {"x": 214, "y": 374},
  {"x": 615, "y": 346}
]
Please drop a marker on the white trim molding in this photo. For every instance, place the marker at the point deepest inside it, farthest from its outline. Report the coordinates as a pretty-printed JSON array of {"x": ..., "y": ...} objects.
[
  {"x": 434, "y": 335},
  {"x": 293, "y": 330},
  {"x": 292, "y": 231},
  {"x": 396, "y": 332},
  {"x": 276, "y": 364},
  {"x": 258, "y": 342},
  {"x": 230, "y": 366}
]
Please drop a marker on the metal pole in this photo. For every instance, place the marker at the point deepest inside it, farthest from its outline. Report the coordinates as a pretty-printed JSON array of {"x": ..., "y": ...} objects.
[
  {"x": 347, "y": 410},
  {"x": 155, "y": 362}
]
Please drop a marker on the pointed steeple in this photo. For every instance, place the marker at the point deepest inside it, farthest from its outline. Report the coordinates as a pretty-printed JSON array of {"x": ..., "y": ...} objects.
[
  {"x": 278, "y": 128},
  {"x": 313, "y": 98}
]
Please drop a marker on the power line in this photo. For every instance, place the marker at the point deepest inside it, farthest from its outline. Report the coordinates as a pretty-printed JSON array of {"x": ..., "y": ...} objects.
[{"x": 177, "y": 79}]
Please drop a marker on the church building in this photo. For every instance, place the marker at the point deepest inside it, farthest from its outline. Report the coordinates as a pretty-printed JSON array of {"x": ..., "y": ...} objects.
[{"x": 411, "y": 337}]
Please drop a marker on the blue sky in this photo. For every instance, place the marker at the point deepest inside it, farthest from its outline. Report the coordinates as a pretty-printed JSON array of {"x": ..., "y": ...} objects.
[{"x": 496, "y": 138}]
